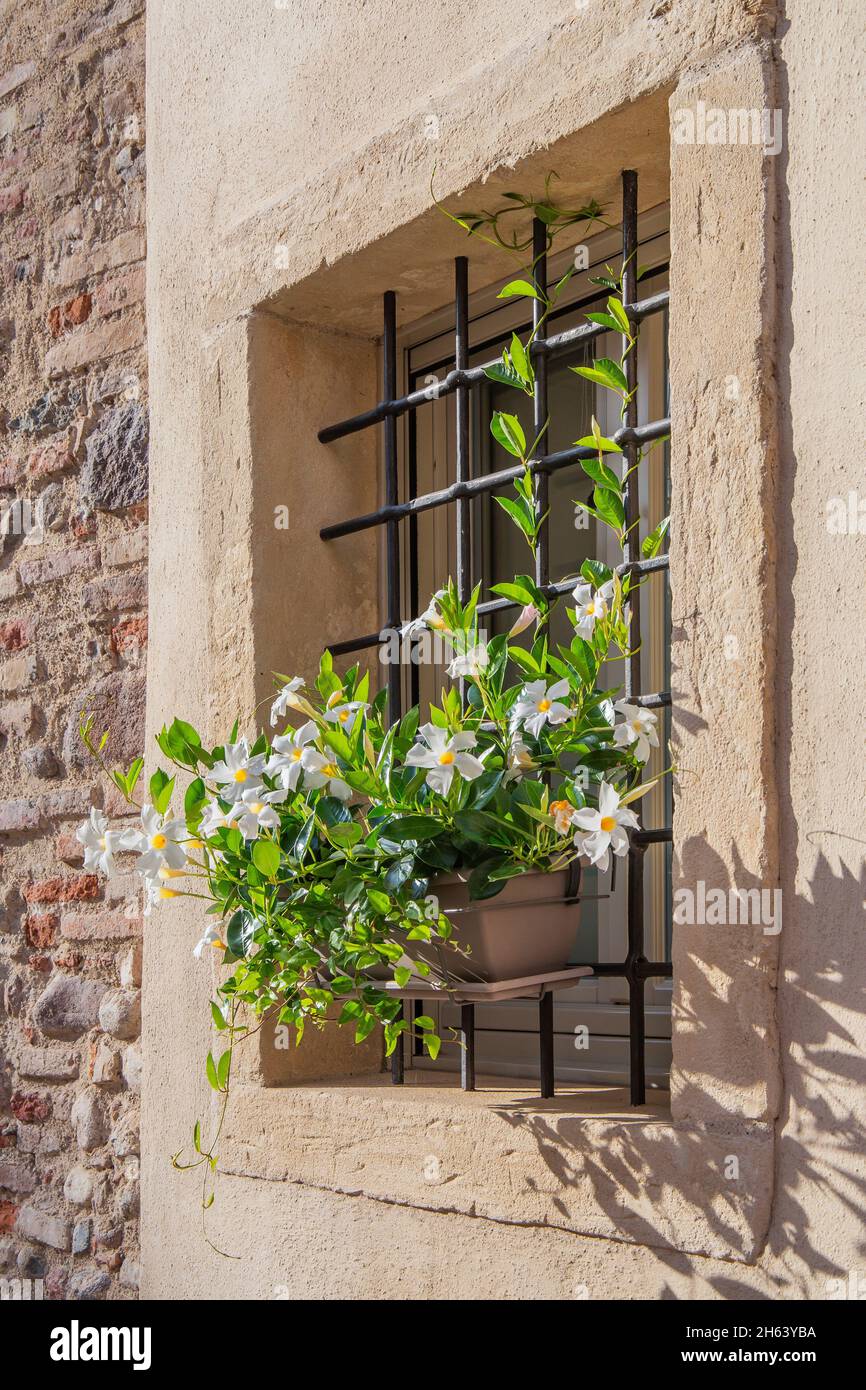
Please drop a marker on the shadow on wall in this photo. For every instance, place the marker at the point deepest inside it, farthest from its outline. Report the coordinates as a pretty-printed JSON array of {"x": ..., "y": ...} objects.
[{"x": 818, "y": 1203}]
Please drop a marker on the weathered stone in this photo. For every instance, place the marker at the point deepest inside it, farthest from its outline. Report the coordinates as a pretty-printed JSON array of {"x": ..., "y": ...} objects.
[
  {"x": 31, "y": 1262},
  {"x": 104, "y": 1068},
  {"x": 128, "y": 1203},
  {"x": 130, "y": 1274},
  {"x": 34, "y": 1139},
  {"x": 132, "y": 1068},
  {"x": 68, "y": 1007},
  {"x": 49, "y": 1063},
  {"x": 80, "y": 1237},
  {"x": 89, "y": 1121},
  {"x": 118, "y": 702},
  {"x": 40, "y": 761},
  {"x": 53, "y": 411},
  {"x": 120, "y": 1013},
  {"x": 87, "y": 1283},
  {"x": 41, "y": 1226},
  {"x": 78, "y": 1187},
  {"x": 124, "y": 1136},
  {"x": 114, "y": 474},
  {"x": 129, "y": 966},
  {"x": 16, "y": 1176}
]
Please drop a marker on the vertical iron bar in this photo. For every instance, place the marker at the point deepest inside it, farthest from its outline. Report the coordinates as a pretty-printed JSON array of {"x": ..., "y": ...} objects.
[
  {"x": 461, "y": 362},
  {"x": 392, "y": 535},
  {"x": 397, "y": 1056},
  {"x": 539, "y": 397},
  {"x": 631, "y": 551},
  {"x": 545, "y": 1043},
  {"x": 467, "y": 1051},
  {"x": 630, "y": 488},
  {"x": 636, "y": 985}
]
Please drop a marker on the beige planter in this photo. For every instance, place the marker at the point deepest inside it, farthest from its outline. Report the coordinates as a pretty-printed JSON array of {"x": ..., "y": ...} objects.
[{"x": 527, "y": 929}]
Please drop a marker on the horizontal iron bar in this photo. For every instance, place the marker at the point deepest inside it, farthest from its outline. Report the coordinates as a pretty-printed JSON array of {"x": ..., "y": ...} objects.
[
  {"x": 495, "y": 605},
  {"x": 663, "y": 836},
  {"x": 474, "y": 376},
  {"x": 634, "y": 970},
  {"x": 489, "y": 482}
]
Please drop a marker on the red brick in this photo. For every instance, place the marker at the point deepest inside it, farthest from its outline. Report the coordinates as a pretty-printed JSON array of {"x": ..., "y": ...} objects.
[
  {"x": 69, "y": 801},
  {"x": 41, "y": 931},
  {"x": 120, "y": 291},
  {"x": 57, "y": 566},
  {"x": 67, "y": 959},
  {"x": 14, "y": 636},
  {"x": 10, "y": 472},
  {"x": 99, "y": 926},
  {"x": 11, "y": 198},
  {"x": 130, "y": 635},
  {"x": 117, "y": 591},
  {"x": 93, "y": 344},
  {"x": 17, "y": 717},
  {"x": 29, "y": 1107},
  {"x": 19, "y": 815},
  {"x": 127, "y": 549},
  {"x": 52, "y": 457},
  {"x": 62, "y": 317},
  {"x": 8, "y": 1215},
  {"x": 69, "y": 850},
  {"x": 41, "y": 963},
  {"x": 83, "y": 888}
]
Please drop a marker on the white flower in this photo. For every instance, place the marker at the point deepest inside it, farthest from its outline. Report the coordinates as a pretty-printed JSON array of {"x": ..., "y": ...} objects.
[
  {"x": 344, "y": 714},
  {"x": 563, "y": 815},
  {"x": 215, "y": 818},
  {"x": 638, "y": 727},
  {"x": 99, "y": 843},
  {"x": 590, "y": 605},
  {"x": 470, "y": 662},
  {"x": 320, "y": 771},
  {"x": 528, "y": 614},
  {"x": 539, "y": 704},
  {"x": 284, "y": 700},
  {"x": 285, "y": 763},
  {"x": 156, "y": 891},
  {"x": 211, "y": 938},
  {"x": 520, "y": 761},
  {"x": 237, "y": 770},
  {"x": 158, "y": 843},
  {"x": 444, "y": 755},
  {"x": 602, "y": 830},
  {"x": 430, "y": 618},
  {"x": 255, "y": 812}
]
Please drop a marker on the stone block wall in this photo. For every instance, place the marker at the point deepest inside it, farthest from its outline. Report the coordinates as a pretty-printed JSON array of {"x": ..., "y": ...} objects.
[{"x": 73, "y": 630}]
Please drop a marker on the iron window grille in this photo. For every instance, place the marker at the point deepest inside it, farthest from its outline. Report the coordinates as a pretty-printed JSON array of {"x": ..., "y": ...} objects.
[{"x": 635, "y": 969}]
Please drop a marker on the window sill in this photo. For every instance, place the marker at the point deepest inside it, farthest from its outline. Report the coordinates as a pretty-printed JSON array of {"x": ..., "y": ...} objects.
[{"x": 584, "y": 1161}]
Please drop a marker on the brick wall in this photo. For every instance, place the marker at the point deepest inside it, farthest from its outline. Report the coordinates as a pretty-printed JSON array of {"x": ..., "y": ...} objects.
[{"x": 73, "y": 627}]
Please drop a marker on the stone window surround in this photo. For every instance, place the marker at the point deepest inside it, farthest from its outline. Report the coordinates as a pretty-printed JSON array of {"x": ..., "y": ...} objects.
[{"x": 304, "y": 354}]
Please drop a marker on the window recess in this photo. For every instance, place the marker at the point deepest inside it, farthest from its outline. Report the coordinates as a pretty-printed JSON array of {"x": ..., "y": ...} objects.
[{"x": 437, "y": 518}]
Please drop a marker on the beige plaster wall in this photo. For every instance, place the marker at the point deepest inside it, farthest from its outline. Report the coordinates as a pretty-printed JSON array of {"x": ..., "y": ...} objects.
[{"x": 284, "y": 148}]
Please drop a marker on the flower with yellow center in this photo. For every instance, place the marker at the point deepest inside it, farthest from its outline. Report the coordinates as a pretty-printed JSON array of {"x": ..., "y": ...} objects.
[
  {"x": 539, "y": 703},
  {"x": 590, "y": 606},
  {"x": 286, "y": 700},
  {"x": 444, "y": 756},
  {"x": 159, "y": 843},
  {"x": 210, "y": 938},
  {"x": 602, "y": 830},
  {"x": 288, "y": 750},
  {"x": 562, "y": 812},
  {"x": 520, "y": 761},
  {"x": 99, "y": 843},
  {"x": 343, "y": 713},
  {"x": 238, "y": 770},
  {"x": 322, "y": 771},
  {"x": 638, "y": 730},
  {"x": 256, "y": 812}
]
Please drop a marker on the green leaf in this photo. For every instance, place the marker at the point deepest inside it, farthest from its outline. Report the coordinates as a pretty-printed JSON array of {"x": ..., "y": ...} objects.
[
  {"x": 600, "y": 473},
  {"x": 380, "y": 902},
  {"x": 411, "y": 828},
  {"x": 432, "y": 1044},
  {"x": 346, "y": 835},
  {"x": 604, "y": 371},
  {"x": 161, "y": 788},
  {"x": 239, "y": 933},
  {"x": 519, "y": 515},
  {"x": 518, "y": 287},
  {"x": 194, "y": 798},
  {"x": 605, "y": 320},
  {"x": 609, "y": 506},
  {"x": 653, "y": 542},
  {"x": 223, "y": 1069},
  {"x": 217, "y": 1016},
  {"x": 425, "y": 1023},
  {"x": 618, "y": 312},
  {"x": 266, "y": 857},
  {"x": 508, "y": 431},
  {"x": 210, "y": 1068}
]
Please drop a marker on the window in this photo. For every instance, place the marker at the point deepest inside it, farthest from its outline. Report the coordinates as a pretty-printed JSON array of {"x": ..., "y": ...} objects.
[{"x": 599, "y": 1025}]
